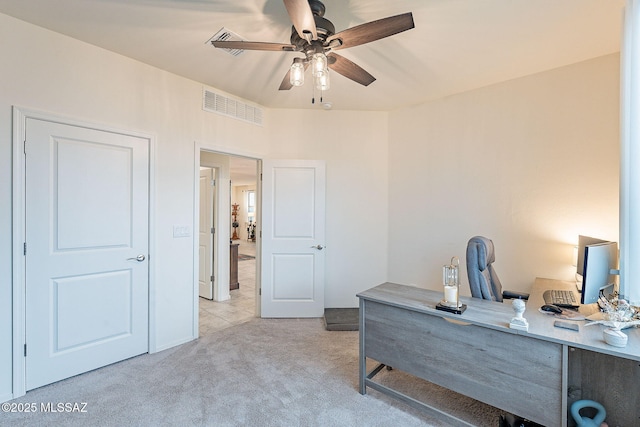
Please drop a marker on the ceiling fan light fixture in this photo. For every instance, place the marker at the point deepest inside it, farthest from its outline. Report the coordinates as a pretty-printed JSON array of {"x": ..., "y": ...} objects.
[
  {"x": 296, "y": 75},
  {"x": 318, "y": 63},
  {"x": 322, "y": 80}
]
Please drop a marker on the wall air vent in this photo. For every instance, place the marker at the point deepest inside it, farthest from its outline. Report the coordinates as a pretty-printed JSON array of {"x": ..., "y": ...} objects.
[
  {"x": 225, "y": 35},
  {"x": 216, "y": 103}
]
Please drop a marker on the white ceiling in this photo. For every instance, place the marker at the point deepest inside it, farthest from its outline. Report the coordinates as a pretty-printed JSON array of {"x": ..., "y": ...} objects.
[{"x": 456, "y": 45}]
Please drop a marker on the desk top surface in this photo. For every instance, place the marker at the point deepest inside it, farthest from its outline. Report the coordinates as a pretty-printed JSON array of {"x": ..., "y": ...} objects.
[{"x": 495, "y": 315}]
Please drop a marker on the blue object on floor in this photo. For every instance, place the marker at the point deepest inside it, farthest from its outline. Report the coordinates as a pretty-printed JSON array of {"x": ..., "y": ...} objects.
[{"x": 585, "y": 421}]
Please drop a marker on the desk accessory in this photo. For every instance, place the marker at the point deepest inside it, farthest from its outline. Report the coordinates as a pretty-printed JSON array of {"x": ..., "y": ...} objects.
[
  {"x": 451, "y": 282},
  {"x": 550, "y": 308},
  {"x": 615, "y": 337},
  {"x": 566, "y": 325},
  {"x": 519, "y": 322}
]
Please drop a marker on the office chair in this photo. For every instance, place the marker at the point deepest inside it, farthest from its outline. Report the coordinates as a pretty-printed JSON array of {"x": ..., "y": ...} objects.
[{"x": 483, "y": 279}]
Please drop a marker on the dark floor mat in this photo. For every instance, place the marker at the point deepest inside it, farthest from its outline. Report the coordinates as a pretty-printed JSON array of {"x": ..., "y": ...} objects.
[{"x": 341, "y": 319}]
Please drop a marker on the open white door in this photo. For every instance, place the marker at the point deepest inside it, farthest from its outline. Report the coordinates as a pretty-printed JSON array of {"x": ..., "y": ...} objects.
[
  {"x": 205, "y": 247},
  {"x": 87, "y": 249},
  {"x": 293, "y": 238}
]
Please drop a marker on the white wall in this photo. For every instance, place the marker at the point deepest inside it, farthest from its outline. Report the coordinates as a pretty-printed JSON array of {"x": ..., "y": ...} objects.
[
  {"x": 45, "y": 71},
  {"x": 530, "y": 163}
]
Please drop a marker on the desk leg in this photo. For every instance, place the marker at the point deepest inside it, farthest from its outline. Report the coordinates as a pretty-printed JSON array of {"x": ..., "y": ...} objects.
[
  {"x": 565, "y": 384},
  {"x": 362, "y": 357}
]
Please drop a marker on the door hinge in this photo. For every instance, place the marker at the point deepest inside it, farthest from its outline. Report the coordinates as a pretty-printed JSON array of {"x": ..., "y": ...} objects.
[
  {"x": 212, "y": 277},
  {"x": 260, "y": 291},
  {"x": 213, "y": 182},
  {"x": 24, "y": 248},
  {"x": 213, "y": 230},
  {"x": 260, "y": 176},
  {"x": 24, "y": 146},
  {"x": 25, "y": 350}
]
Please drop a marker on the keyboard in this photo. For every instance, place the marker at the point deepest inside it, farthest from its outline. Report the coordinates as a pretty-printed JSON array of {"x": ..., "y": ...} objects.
[{"x": 561, "y": 298}]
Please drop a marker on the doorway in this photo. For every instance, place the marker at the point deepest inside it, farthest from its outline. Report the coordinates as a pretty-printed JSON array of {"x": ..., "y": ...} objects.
[
  {"x": 234, "y": 282},
  {"x": 88, "y": 240}
]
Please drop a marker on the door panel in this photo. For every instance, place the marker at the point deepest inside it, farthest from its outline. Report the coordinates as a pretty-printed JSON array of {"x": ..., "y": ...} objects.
[
  {"x": 293, "y": 238},
  {"x": 78, "y": 320},
  {"x": 106, "y": 200},
  {"x": 87, "y": 204},
  {"x": 205, "y": 246},
  {"x": 293, "y": 276}
]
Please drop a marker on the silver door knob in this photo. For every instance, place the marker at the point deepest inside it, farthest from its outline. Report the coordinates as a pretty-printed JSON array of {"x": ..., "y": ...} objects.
[
  {"x": 318, "y": 247},
  {"x": 139, "y": 258}
]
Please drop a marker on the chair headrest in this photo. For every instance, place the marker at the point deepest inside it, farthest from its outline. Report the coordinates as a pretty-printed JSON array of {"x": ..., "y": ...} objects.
[{"x": 483, "y": 248}]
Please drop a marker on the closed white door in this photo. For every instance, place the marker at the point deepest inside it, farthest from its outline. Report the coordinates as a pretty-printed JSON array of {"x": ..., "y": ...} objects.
[
  {"x": 87, "y": 208},
  {"x": 205, "y": 246},
  {"x": 293, "y": 238}
]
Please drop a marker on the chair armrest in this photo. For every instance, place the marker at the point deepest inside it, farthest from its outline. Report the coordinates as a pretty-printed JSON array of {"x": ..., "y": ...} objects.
[{"x": 515, "y": 295}]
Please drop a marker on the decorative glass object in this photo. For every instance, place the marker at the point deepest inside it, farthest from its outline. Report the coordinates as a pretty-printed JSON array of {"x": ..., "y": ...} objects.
[
  {"x": 296, "y": 75},
  {"x": 318, "y": 63},
  {"x": 451, "y": 282},
  {"x": 322, "y": 80}
]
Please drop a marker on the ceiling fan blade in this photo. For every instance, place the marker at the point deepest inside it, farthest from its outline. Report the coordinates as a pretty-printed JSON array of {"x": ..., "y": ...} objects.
[
  {"x": 302, "y": 18},
  {"x": 254, "y": 46},
  {"x": 286, "y": 82},
  {"x": 350, "y": 69},
  {"x": 374, "y": 30}
]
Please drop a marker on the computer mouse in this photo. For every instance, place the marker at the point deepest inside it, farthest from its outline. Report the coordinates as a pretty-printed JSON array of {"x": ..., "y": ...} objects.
[{"x": 551, "y": 308}]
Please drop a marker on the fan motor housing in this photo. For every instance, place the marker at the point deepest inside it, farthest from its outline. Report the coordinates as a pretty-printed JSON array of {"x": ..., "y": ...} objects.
[
  {"x": 324, "y": 29},
  {"x": 317, "y": 7}
]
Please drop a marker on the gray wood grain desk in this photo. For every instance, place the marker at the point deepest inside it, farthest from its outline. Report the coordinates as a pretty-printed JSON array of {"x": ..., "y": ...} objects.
[{"x": 525, "y": 373}]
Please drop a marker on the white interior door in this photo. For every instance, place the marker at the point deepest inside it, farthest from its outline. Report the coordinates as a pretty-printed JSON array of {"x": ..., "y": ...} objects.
[
  {"x": 205, "y": 248},
  {"x": 293, "y": 229},
  {"x": 87, "y": 233}
]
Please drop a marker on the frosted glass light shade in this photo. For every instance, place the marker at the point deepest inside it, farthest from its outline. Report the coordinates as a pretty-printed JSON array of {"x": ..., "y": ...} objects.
[
  {"x": 322, "y": 81},
  {"x": 318, "y": 64}
]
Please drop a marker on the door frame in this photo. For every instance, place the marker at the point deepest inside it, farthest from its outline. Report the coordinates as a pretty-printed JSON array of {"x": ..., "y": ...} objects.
[
  {"x": 18, "y": 233},
  {"x": 222, "y": 235}
]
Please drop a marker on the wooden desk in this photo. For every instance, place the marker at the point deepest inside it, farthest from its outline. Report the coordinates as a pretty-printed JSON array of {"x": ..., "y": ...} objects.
[
  {"x": 525, "y": 373},
  {"x": 233, "y": 267}
]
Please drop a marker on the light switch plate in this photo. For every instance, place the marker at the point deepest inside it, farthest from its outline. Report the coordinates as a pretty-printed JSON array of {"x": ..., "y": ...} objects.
[{"x": 181, "y": 231}]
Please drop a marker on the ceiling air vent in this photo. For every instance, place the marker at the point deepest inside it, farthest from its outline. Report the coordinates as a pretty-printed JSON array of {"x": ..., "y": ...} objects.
[
  {"x": 216, "y": 103},
  {"x": 225, "y": 35}
]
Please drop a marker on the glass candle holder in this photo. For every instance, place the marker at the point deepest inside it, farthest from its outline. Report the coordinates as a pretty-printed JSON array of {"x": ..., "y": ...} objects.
[{"x": 451, "y": 282}]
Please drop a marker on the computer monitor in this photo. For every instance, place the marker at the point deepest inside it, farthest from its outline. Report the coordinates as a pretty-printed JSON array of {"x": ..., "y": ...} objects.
[
  {"x": 583, "y": 241},
  {"x": 600, "y": 262}
]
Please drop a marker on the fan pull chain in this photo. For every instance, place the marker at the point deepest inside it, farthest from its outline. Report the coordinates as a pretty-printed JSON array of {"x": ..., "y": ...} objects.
[{"x": 313, "y": 97}]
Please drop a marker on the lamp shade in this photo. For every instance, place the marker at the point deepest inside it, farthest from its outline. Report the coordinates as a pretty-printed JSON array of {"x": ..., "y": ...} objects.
[
  {"x": 296, "y": 74},
  {"x": 318, "y": 63},
  {"x": 322, "y": 81}
]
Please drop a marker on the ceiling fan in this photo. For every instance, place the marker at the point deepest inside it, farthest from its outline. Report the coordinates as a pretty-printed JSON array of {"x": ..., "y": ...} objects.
[{"x": 316, "y": 37}]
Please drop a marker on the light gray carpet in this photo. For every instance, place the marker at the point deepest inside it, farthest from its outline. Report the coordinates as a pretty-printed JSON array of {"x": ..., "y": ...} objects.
[{"x": 266, "y": 372}]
